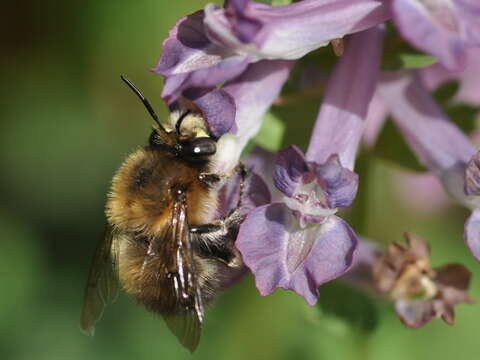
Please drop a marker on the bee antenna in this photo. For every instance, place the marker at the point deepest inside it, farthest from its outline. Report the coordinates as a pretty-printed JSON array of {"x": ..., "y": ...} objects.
[
  {"x": 144, "y": 101},
  {"x": 180, "y": 120}
]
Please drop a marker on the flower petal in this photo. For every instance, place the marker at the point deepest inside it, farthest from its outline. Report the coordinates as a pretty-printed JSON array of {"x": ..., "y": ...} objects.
[
  {"x": 262, "y": 161},
  {"x": 376, "y": 116},
  {"x": 468, "y": 78},
  {"x": 255, "y": 90},
  {"x": 472, "y": 176},
  {"x": 290, "y": 31},
  {"x": 340, "y": 122},
  {"x": 456, "y": 276},
  {"x": 469, "y": 11},
  {"x": 255, "y": 194},
  {"x": 472, "y": 233},
  {"x": 281, "y": 254},
  {"x": 341, "y": 183},
  {"x": 253, "y": 93},
  {"x": 190, "y": 59},
  {"x": 289, "y": 168},
  {"x": 415, "y": 313},
  {"x": 442, "y": 28},
  {"x": 217, "y": 107},
  {"x": 436, "y": 141}
]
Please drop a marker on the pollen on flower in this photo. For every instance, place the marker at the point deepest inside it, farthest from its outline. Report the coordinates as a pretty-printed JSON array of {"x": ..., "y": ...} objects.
[{"x": 310, "y": 203}]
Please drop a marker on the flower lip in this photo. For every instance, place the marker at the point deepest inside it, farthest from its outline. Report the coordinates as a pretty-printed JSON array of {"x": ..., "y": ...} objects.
[
  {"x": 289, "y": 169},
  {"x": 313, "y": 191},
  {"x": 309, "y": 202},
  {"x": 291, "y": 257}
]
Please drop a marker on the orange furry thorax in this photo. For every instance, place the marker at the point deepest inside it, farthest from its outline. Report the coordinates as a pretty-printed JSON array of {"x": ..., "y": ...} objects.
[{"x": 140, "y": 200}]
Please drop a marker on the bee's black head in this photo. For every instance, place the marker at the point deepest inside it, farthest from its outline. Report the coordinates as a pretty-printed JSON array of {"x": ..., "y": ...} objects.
[
  {"x": 198, "y": 149},
  {"x": 191, "y": 149},
  {"x": 192, "y": 144}
]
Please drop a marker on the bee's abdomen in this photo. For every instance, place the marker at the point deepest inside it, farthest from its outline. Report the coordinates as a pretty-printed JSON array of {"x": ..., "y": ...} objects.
[{"x": 154, "y": 282}]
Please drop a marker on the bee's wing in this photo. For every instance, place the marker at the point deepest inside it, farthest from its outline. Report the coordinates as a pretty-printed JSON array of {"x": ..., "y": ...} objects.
[
  {"x": 102, "y": 285},
  {"x": 186, "y": 325}
]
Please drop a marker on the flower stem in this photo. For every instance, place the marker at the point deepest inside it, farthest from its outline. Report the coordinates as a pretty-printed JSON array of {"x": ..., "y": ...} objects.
[{"x": 359, "y": 216}]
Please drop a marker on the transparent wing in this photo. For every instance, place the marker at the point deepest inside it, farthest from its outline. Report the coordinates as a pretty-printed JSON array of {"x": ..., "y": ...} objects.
[
  {"x": 186, "y": 327},
  {"x": 186, "y": 324},
  {"x": 102, "y": 285}
]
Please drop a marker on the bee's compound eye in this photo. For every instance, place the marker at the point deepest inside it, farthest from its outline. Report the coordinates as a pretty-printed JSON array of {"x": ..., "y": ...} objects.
[{"x": 201, "y": 147}]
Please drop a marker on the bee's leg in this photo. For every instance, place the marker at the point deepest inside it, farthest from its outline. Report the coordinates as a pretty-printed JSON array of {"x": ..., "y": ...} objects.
[
  {"x": 219, "y": 227},
  {"x": 240, "y": 168},
  {"x": 217, "y": 239},
  {"x": 212, "y": 180}
]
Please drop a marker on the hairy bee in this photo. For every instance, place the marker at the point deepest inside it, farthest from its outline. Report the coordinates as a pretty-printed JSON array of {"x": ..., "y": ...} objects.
[{"x": 162, "y": 243}]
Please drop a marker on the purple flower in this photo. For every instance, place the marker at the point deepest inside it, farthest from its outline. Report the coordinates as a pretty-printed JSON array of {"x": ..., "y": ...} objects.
[
  {"x": 442, "y": 28},
  {"x": 340, "y": 122},
  {"x": 213, "y": 46},
  {"x": 468, "y": 78},
  {"x": 252, "y": 92},
  {"x": 234, "y": 112},
  {"x": 190, "y": 60},
  {"x": 438, "y": 143},
  {"x": 298, "y": 242},
  {"x": 291, "y": 31}
]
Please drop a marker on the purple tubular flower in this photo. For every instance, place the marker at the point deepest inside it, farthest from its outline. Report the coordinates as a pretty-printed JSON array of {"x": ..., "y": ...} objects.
[
  {"x": 213, "y": 46},
  {"x": 375, "y": 119},
  {"x": 469, "y": 78},
  {"x": 291, "y": 31},
  {"x": 437, "y": 142},
  {"x": 301, "y": 243},
  {"x": 442, "y": 28},
  {"x": 471, "y": 233},
  {"x": 340, "y": 122},
  {"x": 190, "y": 60},
  {"x": 253, "y": 92}
]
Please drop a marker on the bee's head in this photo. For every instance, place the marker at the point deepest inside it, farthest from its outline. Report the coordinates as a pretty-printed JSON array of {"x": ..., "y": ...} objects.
[{"x": 190, "y": 140}]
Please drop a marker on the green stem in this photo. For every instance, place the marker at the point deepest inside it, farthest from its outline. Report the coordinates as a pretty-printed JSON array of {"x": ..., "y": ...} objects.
[{"x": 359, "y": 215}]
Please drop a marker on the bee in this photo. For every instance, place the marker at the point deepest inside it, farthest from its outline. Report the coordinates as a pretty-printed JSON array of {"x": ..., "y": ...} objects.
[{"x": 162, "y": 244}]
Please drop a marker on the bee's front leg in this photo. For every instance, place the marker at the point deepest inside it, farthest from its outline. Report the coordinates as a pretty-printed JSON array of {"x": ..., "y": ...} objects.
[{"x": 213, "y": 180}]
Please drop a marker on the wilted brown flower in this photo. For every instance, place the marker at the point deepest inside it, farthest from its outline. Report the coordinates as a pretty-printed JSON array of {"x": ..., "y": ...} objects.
[{"x": 421, "y": 293}]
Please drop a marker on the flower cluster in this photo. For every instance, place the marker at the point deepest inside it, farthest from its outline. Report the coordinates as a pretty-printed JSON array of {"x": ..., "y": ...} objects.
[{"x": 233, "y": 61}]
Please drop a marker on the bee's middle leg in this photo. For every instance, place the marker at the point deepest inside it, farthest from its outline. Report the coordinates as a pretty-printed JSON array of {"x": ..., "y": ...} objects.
[{"x": 217, "y": 239}]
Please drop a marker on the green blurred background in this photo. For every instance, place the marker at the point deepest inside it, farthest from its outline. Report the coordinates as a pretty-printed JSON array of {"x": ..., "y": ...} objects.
[{"x": 67, "y": 123}]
